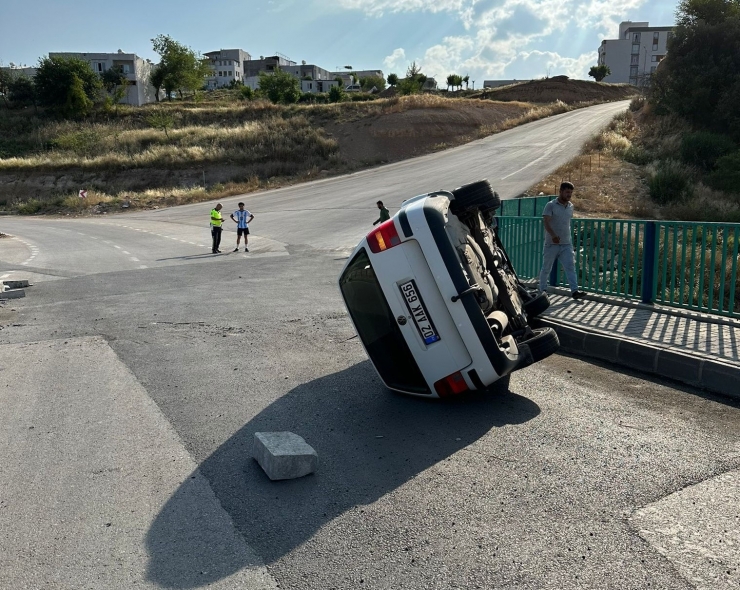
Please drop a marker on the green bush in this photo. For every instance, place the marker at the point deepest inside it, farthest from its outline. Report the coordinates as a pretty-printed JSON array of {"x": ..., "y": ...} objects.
[
  {"x": 83, "y": 142},
  {"x": 637, "y": 155},
  {"x": 314, "y": 98},
  {"x": 246, "y": 93},
  {"x": 703, "y": 149},
  {"x": 726, "y": 176},
  {"x": 670, "y": 183},
  {"x": 337, "y": 94},
  {"x": 363, "y": 97},
  {"x": 637, "y": 103}
]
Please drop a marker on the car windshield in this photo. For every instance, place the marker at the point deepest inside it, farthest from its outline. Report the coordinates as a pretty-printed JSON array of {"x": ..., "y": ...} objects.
[{"x": 377, "y": 327}]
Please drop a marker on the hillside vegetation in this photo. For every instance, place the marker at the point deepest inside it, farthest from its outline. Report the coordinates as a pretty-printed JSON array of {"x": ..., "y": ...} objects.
[{"x": 185, "y": 151}]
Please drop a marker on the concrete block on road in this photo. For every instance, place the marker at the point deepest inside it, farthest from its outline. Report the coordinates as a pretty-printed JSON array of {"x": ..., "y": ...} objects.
[
  {"x": 13, "y": 294},
  {"x": 16, "y": 284},
  {"x": 284, "y": 455}
]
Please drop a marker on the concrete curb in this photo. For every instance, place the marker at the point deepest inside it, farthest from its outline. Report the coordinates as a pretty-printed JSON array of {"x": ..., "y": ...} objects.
[{"x": 709, "y": 374}]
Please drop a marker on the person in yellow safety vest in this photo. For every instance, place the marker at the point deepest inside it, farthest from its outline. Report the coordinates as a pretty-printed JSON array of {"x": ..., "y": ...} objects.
[{"x": 216, "y": 221}]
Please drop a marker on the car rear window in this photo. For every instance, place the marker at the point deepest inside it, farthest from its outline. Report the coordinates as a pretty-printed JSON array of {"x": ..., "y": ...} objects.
[{"x": 377, "y": 327}]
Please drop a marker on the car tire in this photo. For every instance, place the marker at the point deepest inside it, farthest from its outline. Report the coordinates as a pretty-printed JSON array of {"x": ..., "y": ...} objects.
[
  {"x": 476, "y": 194},
  {"x": 535, "y": 306},
  {"x": 543, "y": 343}
]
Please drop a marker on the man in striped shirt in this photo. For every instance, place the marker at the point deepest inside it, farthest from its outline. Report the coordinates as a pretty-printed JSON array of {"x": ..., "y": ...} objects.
[{"x": 242, "y": 217}]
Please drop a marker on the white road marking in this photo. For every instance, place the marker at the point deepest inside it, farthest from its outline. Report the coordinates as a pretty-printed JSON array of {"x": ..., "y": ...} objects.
[
  {"x": 134, "y": 259},
  {"x": 127, "y": 253},
  {"x": 143, "y": 266},
  {"x": 6, "y": 275},
  {"x": 116, "y": 246}
]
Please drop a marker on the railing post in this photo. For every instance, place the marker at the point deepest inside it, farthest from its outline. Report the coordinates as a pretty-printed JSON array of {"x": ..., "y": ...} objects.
[{"x": 649, "y": 250}]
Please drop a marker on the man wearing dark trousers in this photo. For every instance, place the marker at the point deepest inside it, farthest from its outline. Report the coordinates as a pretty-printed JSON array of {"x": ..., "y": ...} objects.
[{"x": 216, "y": 229}]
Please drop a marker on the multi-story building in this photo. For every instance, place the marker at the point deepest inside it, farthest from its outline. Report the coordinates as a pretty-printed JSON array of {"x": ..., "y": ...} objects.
[
  {"x": 227, "y": 66},
  {"x": 313, "y": 78},
  {"x": 347, "y": 75},
  {"x": 635, "y": 56},
  {"x": 137, "y": 71},
  {"x": 21, "y": 71}
]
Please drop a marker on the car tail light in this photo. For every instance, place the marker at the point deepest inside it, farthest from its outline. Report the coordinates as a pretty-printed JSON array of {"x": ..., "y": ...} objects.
[
  {"x": 383, "y": 237},
  {"x": 451, "y": 385}
]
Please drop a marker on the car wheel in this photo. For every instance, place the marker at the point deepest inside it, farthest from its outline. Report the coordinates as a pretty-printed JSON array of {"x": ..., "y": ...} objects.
[
  {"x": 536, "y": 305},
  {"x": 476, "y": 194},
  {"x": 543, "y": 343}
]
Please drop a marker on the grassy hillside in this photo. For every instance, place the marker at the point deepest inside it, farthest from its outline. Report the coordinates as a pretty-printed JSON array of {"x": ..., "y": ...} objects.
[{"x": 187, "y": 151}]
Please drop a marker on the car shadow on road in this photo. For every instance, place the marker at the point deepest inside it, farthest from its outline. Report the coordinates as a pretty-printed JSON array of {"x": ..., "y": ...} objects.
[{"x": 369, "y": 441}]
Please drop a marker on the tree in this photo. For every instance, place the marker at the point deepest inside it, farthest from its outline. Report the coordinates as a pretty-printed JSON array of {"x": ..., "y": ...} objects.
[
  {"x": 392, "y": 79},
  {"x": 78, "y": 104},
  {"x": 466, "y": 79},
  {"x": 22, "y": 91},
  {"x": 370, "y": 82},
  {"x": 59, "y": 80},
  {"x": 337, "y": 94},
  {"x": 598, "y": 73},
  {"x": 5, "y": 79},
  {"x": 180, "y": 68},
  {"x": 450, "y": 81},
  {"x": 115, "y": 83},
  {"x": 700, "y": 78},
  {"x": 156, "y": 78},
  {"x": 160, "y": 119},
  {"x": 413, "y": 82},
  {"x": 280, "y": 86}
]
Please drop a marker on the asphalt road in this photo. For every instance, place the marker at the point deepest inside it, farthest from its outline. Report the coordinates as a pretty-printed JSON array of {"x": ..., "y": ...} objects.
[{"x": 130, "y": 396}]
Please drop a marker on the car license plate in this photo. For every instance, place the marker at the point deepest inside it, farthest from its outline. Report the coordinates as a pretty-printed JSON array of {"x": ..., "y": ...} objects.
[{"x": 419, "y": 313}]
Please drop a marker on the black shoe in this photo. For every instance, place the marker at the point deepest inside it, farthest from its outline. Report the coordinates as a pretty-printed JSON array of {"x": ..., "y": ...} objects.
[
  {"x": 235, "y": 250},
  {"x": 218, "y": 251},
  {"x": 246, "y": 249},
  {"x": 577, "y": 294}
]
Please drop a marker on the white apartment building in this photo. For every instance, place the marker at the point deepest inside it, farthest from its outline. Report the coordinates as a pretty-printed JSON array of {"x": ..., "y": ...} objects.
[
  {"x": 137, "y": 71},
  {"x": 227, "y": 66},
  {"x": 635, "y": 56}
]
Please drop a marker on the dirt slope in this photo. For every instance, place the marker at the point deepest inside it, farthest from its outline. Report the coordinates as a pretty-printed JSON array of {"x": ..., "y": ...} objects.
[{"x": 560, "y": 88}]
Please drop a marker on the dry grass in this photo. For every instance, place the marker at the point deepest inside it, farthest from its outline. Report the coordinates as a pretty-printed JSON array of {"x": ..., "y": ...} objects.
[
  {"x": 235, "y": 140},
  {"x": 607, "y": 187},
  {"x": 99, "y": 147},
  {"x": 98, "y": 201}
]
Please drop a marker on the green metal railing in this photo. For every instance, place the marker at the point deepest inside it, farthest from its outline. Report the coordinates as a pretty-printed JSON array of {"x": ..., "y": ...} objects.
[
  {"x": 681, "y": 264},
  {"x": 526, "y": 207}
]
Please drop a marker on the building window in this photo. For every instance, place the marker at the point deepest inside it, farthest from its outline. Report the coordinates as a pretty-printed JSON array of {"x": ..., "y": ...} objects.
[
  {"x": 126, "y": 69},
  {"x": 636, "y": 48},
  {"x": 652, "y": 70},
  {"x": 656, "y": 37},
  {"x": 636, "y": 38},
  {"x": 633, "y": 81},
  {"x": 655, "y": 47},
  {"x": 633, "y": 71},
  {"x": 635, "y": 60}
]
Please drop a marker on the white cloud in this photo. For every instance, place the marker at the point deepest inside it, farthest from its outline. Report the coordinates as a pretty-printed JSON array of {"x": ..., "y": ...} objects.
[
  {"x": 509, "y": 38},
  {"x": 379, "y": 7},
  {"x": 396, "y": 61}
]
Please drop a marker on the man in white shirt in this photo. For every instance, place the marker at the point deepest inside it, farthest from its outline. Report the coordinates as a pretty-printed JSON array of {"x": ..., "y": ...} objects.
[
  {"x": 242, "y": 217},
  {"x": 558, "y": 246}
]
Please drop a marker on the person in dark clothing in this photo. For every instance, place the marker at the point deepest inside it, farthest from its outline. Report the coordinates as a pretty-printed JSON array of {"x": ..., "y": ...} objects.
[{"x": 385, "y": 215}]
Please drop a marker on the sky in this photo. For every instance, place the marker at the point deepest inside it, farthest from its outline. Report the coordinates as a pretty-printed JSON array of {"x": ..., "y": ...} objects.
[{"x": 484, "y": 39}]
